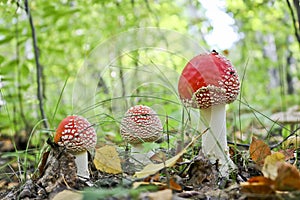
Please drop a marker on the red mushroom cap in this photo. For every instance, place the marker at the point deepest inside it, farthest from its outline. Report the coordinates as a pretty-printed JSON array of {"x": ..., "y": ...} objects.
[
  {"x": 141, "y": 124},
  {"x": 208, "y": 79},
  {"x": 76, "y": 134}
]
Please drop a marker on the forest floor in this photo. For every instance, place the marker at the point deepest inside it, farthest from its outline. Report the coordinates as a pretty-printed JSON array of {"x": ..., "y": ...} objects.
[{"x": 184, "y": 177}]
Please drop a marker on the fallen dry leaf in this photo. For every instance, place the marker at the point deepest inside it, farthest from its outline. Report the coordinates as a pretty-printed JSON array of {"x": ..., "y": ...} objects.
[
  {"x": 288, "y": 177},
  {"x": 152, "y": 178},
  {"x": 3, "y": 183},
  {"x": 189, "y": 194},
  {"x": 107, "y": 160},
  {"x": 288, "y": 153},
  {"x": 160, "y": 195},
  {"x": 174, "y": 186},
  {"x": 6, "y": 145},
  {"x": 270, "y": 168},
  {"x": 43, "y": 162},
  {"x": 258, "y": 185},
  {"x": 202, "y": 171},
  {"x": 67, "y": 194},
  {"x": 259, "y": 150},
  {"x": 140, "y": 183},
  {"x": 12, "y": 185},
  {"x": 158, "y": 157},
  {"x": 156, "y": 179},
  {"x": 153, "y": 168},
  {"x": 162, "y": 186},
  {"x": 291, "y": 143}
]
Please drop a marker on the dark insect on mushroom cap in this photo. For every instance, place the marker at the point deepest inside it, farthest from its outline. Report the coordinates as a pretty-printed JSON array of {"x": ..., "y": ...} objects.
[
  {"x": 76, "y": 134},
  {"x": 208, "y": 79},
  {"x": 141, "y": 124}
]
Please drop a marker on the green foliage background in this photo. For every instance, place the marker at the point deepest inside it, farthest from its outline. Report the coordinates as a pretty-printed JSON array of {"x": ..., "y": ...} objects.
[{"x": 68, "y": 32}]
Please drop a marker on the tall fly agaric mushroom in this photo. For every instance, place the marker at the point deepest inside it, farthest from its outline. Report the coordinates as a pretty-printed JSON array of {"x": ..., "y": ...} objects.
[
  {"x": 209, "y": 82},
  {"x": 78, "y": 136},
  {"x": 140, "y": 124}
]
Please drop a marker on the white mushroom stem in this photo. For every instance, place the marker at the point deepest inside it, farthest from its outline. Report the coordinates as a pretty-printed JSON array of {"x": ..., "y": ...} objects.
[
  {"x": 138, "y": 156},
  {"x": 81, "y": 160},
  {"x": 214, "y": 142}
]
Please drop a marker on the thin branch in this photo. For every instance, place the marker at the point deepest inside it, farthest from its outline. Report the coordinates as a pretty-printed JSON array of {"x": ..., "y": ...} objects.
[
  {"x": 294, "y": 19},
  {"x": 297, "y": 6},
  {"x": 39, "y": 69},
  {"x": 19, "y": 92}
]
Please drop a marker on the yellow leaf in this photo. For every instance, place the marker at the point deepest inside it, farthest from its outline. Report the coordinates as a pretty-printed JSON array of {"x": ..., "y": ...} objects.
[
  {"x": 153, "y": 168},
  {"x": 291, "y": 143},
  {"x": 107, "y": 160},
  {"x": 67, "y": 194},
  {"x": 270, "y": 168},
  {"x": 138, "y": 184}
]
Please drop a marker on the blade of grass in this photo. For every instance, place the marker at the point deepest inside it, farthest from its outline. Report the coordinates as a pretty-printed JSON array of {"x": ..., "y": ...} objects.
[
  {"x": 59, "y": 99},
  {"x": 27, "y": 146}
]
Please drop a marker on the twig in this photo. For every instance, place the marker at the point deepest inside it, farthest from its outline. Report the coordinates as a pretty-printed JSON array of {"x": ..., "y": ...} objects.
[
  {"x": 294, "y": 19},
  {"x": 285, "y": 139},
  {"x": 238, "y": 144},
  {"x": 297, "y": 6},
  {"x": 39, "y": 70}
]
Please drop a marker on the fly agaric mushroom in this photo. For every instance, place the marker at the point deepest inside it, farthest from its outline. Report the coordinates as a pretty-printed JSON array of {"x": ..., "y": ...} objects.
[
  {"x": 78, "y": 136},
  {"x": 140, "y": 124},
  {"x": 209, "y": 82}
]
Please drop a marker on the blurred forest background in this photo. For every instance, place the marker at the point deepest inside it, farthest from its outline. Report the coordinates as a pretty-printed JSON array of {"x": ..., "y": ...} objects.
[{"x": 98, "y": 58}]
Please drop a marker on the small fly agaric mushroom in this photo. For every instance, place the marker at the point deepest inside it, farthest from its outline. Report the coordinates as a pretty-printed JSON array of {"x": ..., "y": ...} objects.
[
  {"x": 140, "y": 124},
  {"x": 209, "y": 82},
  {"x": 78, "y": 136}
]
